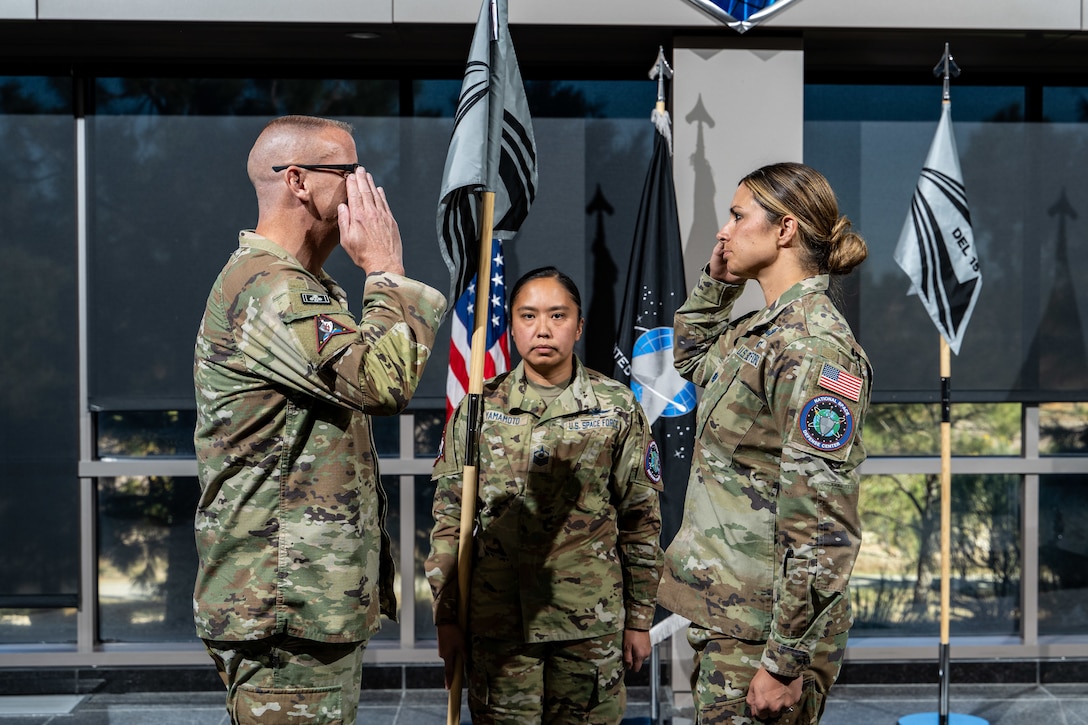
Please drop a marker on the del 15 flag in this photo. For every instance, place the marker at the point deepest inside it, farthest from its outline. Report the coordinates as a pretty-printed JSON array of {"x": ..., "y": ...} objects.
[
  {"x": 492, "y": 148},
  {"x": 936, "y": 247}
]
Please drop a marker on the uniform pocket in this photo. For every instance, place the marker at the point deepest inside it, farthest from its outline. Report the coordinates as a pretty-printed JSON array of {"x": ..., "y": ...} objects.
[
  {"x": 795, "y": 598},
  {"x": 287, "y": 706},
  {"x": 724, "y": 712},
  {"x": 729, "y": 408}
]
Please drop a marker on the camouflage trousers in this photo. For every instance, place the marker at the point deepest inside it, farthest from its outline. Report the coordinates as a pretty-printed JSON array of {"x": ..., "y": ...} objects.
[
  {"x": 579, "y": 682},
  {"x": 724, "y": 667},
  {"x": 283, "y": 679}
]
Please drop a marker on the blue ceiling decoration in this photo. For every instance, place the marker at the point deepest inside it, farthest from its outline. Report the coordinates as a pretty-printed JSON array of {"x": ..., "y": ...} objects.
[{"x": 741, "y": 15}]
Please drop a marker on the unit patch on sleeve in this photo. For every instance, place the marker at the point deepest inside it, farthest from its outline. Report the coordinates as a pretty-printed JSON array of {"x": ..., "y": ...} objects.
[
  {"x": 826, "y": 423},
  {"x": 328, "y": 328},
  {"x": 653, "y": 462}
]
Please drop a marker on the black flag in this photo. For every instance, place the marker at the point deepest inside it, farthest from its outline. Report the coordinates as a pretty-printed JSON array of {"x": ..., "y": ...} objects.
[{"x": 643, "y": 354}]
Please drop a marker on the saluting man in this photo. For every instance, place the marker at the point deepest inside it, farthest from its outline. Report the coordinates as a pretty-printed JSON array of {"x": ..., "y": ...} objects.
[{"x": 295, "y": 568}]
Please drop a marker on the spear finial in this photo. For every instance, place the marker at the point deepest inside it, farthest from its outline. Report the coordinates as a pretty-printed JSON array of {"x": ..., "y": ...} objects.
[
  {"x": 947, "y": 68},
  {"x": 660, "y": 71}
]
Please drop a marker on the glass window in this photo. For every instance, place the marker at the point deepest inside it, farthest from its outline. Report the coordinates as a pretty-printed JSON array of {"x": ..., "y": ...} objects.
[
  {"x": 429, "y": 427},
  {"x": 38, "y": 624},
  {"x": 386, "y": 430},
  {"x": 149, "y": 281},
  {"x": 146, "y": 558},
  {"x": 1063, "y": 429},
  {"x": 263, "y": 97},
  {"x": 39, "y": 516},
  {"x": 1063, "y": 555},
  {"x": 833, "y": 102},
  {"x": 978, "y": 429},
  {"x": 145, "y": 434},
  {"x": 423, "y": 524},
  {"x": 896, "y": 581},
  {"x": 1065, "y": 105},
  {"x": 390, "y": 630},
  {"x": 1026, "y": 339}
]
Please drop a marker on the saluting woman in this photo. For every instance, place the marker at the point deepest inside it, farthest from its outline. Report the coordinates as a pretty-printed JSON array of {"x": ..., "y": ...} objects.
[{"x": 771, "y": 531}]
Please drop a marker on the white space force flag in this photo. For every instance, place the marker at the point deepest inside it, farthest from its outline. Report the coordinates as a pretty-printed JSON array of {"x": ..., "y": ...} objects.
[
  {"x": 492, "y": 148},
  {"x": 936, "y": 247}
]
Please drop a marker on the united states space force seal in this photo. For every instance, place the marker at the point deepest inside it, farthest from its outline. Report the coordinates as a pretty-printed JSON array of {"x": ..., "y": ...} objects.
[{"x": 826, "y": 423}]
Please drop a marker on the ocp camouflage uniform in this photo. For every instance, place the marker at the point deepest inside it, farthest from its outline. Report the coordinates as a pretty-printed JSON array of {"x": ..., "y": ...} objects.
[
  {"x": 567, "y": 546},
  {"x": 290, "y": 523},
  {"x": 771, "y": 527}
]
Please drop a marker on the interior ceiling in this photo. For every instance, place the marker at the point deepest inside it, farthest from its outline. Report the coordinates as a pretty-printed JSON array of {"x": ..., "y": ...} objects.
[{"x": 543, "y": 51}]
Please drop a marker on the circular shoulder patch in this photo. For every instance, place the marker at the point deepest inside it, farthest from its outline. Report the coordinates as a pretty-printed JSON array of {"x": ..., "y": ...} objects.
[
  {"x": 653, "y": 462},
  {"x": 826, "y": 423}
]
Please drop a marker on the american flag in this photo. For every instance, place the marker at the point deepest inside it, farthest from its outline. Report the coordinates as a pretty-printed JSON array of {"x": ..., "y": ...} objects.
[
  {"x": 497, "y": 357},
  {"x": 840, "y": 382}
]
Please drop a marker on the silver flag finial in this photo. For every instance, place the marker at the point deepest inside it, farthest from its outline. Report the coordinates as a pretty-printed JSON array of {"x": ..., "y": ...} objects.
[
  {"x": 946, "y": 67},
  {"x": 660, "y": 71}
]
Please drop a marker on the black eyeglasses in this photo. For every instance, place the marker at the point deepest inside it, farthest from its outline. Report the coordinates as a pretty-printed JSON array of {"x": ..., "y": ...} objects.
[{"x": 345, "y": 169}]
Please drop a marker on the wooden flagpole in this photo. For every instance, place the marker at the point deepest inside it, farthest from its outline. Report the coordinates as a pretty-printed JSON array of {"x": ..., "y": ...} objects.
[
  {"x": 947, "y": 68},
  {"x": 470, "y": 469},
  {"x": 946, "y": 524}
]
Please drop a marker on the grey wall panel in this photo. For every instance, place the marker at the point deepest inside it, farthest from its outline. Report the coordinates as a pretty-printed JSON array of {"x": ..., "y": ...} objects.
[
  {"x": 327, "y": 11},
  {"x": 18, "y": 9},
  {"x": 734, "y": 110},
  {"x": 560, "y": 12},
  {"x": 960, "y": 14}
]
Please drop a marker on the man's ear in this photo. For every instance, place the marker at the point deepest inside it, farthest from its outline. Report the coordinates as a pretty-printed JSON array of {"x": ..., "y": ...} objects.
[{"x": 296, "y": 184}]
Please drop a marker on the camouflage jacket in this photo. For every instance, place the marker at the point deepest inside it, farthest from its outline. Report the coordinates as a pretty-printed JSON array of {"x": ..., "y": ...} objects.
[
  {"x": 771, "y": 527},
  {"x": 568, "y": 525},
  {"x": 290, "y": 524}
]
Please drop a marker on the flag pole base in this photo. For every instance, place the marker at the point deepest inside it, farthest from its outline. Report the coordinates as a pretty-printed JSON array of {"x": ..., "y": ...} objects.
[{"x": 933, "y": 718}]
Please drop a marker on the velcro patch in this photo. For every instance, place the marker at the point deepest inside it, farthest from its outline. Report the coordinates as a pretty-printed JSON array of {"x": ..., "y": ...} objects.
[
  {"x": 748, "y": 356},
  {"x": 826, "y": 423},
  {"x": 653, "y": 462},
  {"x": 328, "y": 328},
  {"x": 840, "y": 381},
  {"x": 315, "y": 298}
]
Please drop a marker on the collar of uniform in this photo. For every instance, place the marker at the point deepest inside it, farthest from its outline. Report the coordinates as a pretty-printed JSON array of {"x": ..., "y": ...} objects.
[
  {"x": 807, "y": 286},
  {"x": 575, "y": 398},
  {"x": 250, "y": 238}
]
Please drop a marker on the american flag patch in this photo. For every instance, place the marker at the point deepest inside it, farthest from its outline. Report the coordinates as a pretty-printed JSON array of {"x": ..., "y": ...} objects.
[{"x": 840, "y": 382}]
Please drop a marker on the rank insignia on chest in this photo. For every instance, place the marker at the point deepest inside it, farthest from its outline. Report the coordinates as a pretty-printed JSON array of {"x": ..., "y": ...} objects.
[
  {"x": 315, "y": 298},
  {"x": 541, "y": 457},
  {"x": 328, "y": 328},
  {"x": 826, "y": 423}
]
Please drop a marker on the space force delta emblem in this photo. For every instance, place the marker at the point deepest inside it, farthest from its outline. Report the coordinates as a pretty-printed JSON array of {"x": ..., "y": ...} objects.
[
  {"x": 826, "y": 423},
  {"x": 653, "y": 462},
  {"x": 328, "y": 328}
]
